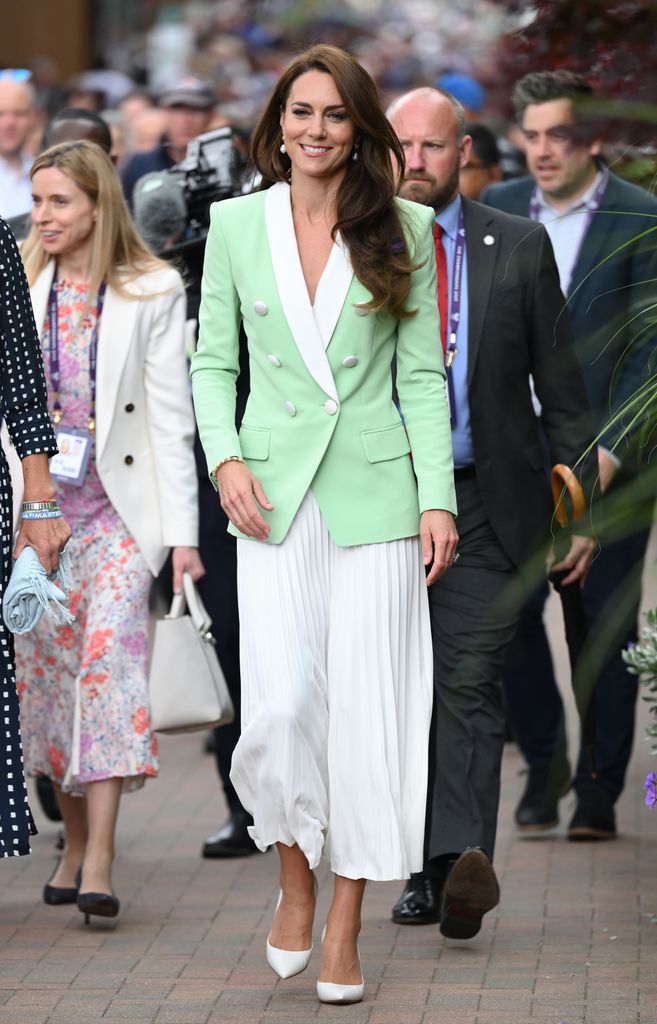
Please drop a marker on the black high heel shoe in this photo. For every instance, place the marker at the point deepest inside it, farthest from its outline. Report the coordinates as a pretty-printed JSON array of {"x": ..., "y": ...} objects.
[
  {"x": 102, "y": 904},
  {"x": 57, "y": 895}
]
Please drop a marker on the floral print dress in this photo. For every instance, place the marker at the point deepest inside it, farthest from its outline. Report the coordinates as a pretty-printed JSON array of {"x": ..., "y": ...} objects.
[{"x": 83, "y": 687}]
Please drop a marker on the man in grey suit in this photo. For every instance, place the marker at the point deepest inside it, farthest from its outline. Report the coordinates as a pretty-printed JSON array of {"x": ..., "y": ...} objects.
[{"x": 500, "y": 307}]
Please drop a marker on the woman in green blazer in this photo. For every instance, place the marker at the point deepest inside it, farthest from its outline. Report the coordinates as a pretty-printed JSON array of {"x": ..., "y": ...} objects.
[{"x": 332, "y": 277}]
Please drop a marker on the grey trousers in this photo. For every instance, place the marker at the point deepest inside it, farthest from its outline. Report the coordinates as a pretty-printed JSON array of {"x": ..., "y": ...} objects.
[{"x": 473, "y": 620}]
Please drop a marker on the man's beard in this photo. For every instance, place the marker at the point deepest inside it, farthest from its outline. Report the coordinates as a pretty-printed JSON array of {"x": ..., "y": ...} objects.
[{"x": 430, "y": 192}]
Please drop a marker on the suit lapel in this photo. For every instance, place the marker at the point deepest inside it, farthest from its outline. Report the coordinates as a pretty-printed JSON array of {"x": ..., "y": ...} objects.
[
  {"x": 332, "y": 291},
  {"x": 482, "y": 257},
  {"x": 292, "y": 289},
  {"x": 40, "y": 293},
  {"x": 594, "y": 247},
  {"x": 115, "y": 334}
]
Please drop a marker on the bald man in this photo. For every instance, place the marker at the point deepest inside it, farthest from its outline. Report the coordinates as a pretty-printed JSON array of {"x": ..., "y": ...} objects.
[
  {"x": 17, "y": 119},
  {"x": 500, "y": 307}
]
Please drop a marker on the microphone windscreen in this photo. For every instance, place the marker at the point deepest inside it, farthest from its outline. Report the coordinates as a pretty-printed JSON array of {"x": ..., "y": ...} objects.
[{"x": 159, "y": 208}]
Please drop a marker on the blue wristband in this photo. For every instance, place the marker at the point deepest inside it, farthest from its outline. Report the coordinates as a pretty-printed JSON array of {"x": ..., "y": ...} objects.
[{"x": 42, "y": 515}]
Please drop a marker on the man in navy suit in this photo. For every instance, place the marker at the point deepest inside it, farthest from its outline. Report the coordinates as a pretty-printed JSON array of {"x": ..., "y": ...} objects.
[{"x": 604, "y": 235}]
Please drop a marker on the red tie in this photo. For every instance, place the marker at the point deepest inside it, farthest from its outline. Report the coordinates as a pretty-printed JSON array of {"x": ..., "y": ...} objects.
[{"x": 441, "y": 267}]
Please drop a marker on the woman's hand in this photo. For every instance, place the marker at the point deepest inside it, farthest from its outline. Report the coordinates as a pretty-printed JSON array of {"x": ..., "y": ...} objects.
[
  {"x": 240, "y": 494},
  {"x": 439, "y": 539},
  {"x": 185, "y": 560},
  {"x": 48, "y": 537}
]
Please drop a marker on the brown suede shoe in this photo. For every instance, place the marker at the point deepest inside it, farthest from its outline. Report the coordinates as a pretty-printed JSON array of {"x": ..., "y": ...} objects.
[{"x": 470, "y": 891}]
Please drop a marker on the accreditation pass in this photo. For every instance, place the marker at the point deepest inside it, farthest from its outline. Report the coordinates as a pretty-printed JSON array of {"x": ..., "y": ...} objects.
[{"x": 69, "y": 466}]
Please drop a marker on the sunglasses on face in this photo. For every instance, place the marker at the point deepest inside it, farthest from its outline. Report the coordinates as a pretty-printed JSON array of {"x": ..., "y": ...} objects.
[{"x": 16, "y": 74}]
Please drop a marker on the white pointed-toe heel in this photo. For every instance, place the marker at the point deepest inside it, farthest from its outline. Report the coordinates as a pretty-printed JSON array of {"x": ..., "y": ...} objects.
[
  {"x": 331, "y": 992},
  {"x": 288, "y": 962}
]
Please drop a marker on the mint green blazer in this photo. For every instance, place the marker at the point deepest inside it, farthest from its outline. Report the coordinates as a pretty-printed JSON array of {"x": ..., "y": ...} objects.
[{"x": 320, "y": 413}]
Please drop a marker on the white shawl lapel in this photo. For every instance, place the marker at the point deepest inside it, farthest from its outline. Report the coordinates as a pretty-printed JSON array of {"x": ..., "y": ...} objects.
[
  {"x": 117, "y": 326},
  {"x": 332, "y": 290},
  {"x": 311, "y": 330},
  {"x": 40, "y": 293}
]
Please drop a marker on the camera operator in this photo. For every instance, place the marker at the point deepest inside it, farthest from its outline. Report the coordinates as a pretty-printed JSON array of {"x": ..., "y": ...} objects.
[
  {"x": 188, "y": 104},
  {"x": 171, "y": 209}
]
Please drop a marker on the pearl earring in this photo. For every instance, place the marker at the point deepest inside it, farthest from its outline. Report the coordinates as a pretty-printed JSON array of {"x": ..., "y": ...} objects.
[
  {"x": 354, "y": 155},
  {"x": 282, "y": 148}
]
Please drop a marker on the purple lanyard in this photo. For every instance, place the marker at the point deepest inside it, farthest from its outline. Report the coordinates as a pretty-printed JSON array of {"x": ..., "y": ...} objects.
[
  {"x": 455, "y": 300},
  {"x": 53, "y": 352},
  {"x": 592, "y": 207}
]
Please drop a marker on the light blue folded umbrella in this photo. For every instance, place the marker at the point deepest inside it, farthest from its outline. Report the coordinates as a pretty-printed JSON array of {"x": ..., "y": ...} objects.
[{"x": 31, "y": 591}]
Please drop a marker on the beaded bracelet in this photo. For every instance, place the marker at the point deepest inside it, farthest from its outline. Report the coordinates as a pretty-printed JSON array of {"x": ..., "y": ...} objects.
[
  {"x": 41, "y": 506},
  {"x": 54, "y": 514},
  {"x": 229, "y": 458}
]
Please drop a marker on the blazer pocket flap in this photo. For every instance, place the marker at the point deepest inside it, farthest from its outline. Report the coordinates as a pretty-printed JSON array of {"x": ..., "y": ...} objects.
[
  {"x": 254, "y": 442},
  {"x": 385, "y": 443}
]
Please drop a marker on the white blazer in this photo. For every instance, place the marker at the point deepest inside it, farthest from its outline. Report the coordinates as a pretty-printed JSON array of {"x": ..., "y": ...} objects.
[{"x": 144, "y": 417}]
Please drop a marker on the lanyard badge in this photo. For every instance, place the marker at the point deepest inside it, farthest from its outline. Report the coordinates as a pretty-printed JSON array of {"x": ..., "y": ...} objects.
[{"x": 70, "y": 465}]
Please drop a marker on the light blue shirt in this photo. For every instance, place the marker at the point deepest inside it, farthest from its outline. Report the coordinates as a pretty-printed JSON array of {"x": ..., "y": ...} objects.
[
  {"x": 461, "y": 434},
  {"x": 566, "y": 229}
]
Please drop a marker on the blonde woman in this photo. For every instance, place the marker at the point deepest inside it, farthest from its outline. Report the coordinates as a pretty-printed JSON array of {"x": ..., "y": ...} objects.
[{"x": 111, "y": 318}]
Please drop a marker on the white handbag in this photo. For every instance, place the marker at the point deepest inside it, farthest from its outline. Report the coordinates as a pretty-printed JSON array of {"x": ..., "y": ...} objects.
[{"x": 187, "y": 687}]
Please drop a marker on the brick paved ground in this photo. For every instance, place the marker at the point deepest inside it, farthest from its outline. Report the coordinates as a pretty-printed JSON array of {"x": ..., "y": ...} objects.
[{"x": 574, "y": 940}]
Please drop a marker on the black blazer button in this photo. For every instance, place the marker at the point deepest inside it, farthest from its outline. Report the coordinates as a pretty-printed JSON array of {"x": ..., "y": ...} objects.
[
  {"x": 128, "y": 460},
  {"x": 129, "y": 407}
]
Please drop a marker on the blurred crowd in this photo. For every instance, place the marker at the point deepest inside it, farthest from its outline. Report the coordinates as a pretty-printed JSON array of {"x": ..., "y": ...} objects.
[{"x": 216, "y": 67}]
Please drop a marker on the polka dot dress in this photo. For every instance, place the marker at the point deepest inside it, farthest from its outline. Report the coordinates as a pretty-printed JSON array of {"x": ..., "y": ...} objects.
[{"x": 24, "y": 407}]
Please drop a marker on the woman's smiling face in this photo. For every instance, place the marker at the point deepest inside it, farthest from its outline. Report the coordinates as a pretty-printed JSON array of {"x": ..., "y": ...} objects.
[
  {"x": 318, "y": 132},
  {"x": 63, "y": 214}
]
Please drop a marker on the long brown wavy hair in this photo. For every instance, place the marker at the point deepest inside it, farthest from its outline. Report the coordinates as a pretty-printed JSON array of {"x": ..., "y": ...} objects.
[{"x": 369, "y": 220}]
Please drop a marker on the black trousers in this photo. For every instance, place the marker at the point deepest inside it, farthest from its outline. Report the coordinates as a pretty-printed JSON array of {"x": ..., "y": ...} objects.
[
  {"x": 612, "y": 596},
  {"x": 473, "y": 619},
  {"x": 218, "y": 589}
]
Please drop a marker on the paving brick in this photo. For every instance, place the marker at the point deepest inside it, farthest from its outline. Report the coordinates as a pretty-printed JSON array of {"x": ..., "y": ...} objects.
[
  {"x": 188, "y": 947},
  {"x": 128, "y": 1009},
  {"x": 177, "y": 1015}
]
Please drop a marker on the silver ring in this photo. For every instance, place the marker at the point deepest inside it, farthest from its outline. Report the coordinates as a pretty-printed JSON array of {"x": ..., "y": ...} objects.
[{"x": 455, "y": 557}]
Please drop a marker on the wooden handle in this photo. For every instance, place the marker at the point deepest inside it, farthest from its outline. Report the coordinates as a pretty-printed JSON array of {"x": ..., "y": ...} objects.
[{"x": 562, "y": 477}]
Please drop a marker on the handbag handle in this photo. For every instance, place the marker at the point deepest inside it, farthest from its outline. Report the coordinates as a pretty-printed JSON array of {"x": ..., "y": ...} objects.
[{"x": 190, "y": 599}]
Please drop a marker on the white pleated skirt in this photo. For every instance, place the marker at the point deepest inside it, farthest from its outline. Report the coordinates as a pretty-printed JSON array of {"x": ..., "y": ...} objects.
[{"x": 337, "y": 688}]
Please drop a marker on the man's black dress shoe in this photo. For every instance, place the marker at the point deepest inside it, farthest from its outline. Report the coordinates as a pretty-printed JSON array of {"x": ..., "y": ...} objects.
[
  {"x": 594, "y": 817},
  {"x": 470, "y": 891},
  {"x": 537, "y": 808},
  {"x": 232, "y": 839},
  {"x": 420, "y": 901}
]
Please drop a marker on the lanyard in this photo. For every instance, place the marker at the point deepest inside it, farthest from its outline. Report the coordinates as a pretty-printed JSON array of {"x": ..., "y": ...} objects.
[
  {"x": 53, "y": 352},
  {"x": 592, "y": 207},
  {"x": 455, "y": 298}
]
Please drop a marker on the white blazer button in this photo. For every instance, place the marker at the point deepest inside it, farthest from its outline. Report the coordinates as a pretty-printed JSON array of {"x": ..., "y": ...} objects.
[
  {"x": 260, "y": 308},
  {"x": 350, "y": 361},
  {"x": 331, "y": 407},
  {"x": 292, "y": 409},
  {"x": 360, "y": 310},
  {"x": 273, "y": 360}
]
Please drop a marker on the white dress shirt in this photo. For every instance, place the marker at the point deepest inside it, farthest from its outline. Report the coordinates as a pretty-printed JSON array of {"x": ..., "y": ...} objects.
[{"x": 15, "y": 189}]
